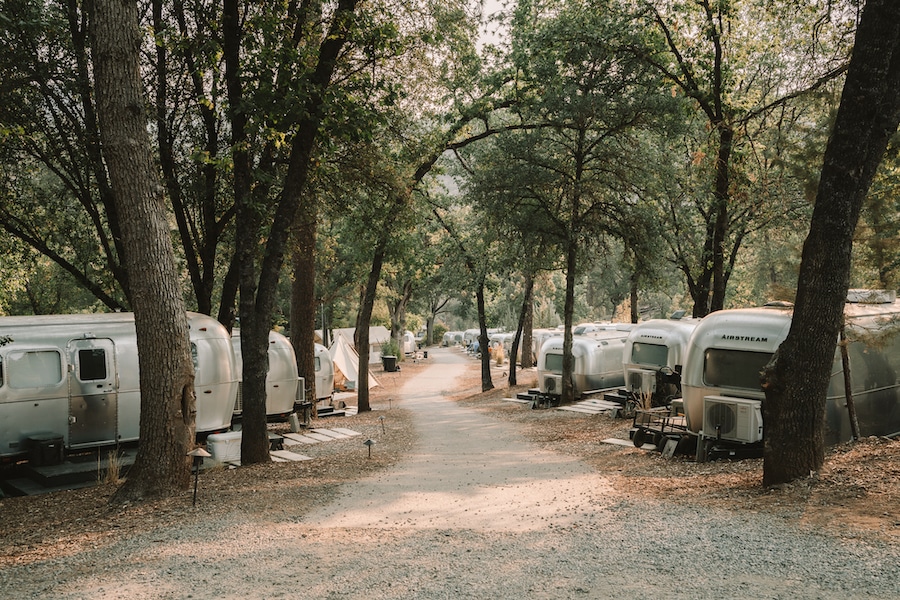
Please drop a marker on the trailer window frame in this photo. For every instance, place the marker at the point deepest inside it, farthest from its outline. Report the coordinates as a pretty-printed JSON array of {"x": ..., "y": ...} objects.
[
  {"x": 28, "y": 369},
  {"x": 553, "y": 362},
  {"x": 646, "y": 353},
  {"x": 731, "y": 368},
  {"x": 92, "y": 364}
]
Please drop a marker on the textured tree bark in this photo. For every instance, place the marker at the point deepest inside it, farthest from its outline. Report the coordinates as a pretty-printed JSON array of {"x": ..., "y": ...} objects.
[
  {"x": 522, "y": 338},
  {"x": 528, "y": 326},
  {"x": 259, "y": 278},
  {"x": 164, "y": 357},
  {"x": 568, "y": 366},
  {"x": 361, "y": 336},
  {"x": 303, "y": 295},
  {"x": 483, "y": 339},
  {"x": 796, "y": 380}
]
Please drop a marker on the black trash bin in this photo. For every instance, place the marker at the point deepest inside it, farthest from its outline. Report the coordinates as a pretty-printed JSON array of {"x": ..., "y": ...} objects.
[{"x": 389, "y": 362}]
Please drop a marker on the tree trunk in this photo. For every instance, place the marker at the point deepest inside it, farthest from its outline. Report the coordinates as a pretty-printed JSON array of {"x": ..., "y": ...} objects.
[
  {"x": 362, "y": 326},
  {"x": 486, "y": 381},
  {"x": 398, "y": 313},
  {"x": 257, "y": 303},
  {"x": 796, "y": 380},
  {"x": 524, "y": 318},
  {"x": 633, "y": 292},
  {"x": 528, "y": 356},
  {"x": 228, "y": 298},
  {"x": 303, "y": 295},
  {"x": 254, "y": 438},
  {"x": 168, "y": 407},
  {"x": 568, "y": 366}
]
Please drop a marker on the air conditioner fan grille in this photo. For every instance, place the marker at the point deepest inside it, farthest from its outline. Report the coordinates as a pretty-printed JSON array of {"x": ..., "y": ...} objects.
[{"x": 721, "y": 417}]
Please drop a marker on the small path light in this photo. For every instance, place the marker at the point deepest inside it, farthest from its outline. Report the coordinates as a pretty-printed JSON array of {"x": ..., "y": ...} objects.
[
  {"x": 381, "y": 418},
  {"x": 197, "y": 455},
  {"x": 369, "y": 443}
]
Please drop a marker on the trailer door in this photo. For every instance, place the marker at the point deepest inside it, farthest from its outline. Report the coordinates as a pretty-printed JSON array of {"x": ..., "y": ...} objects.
[{"x": 93, "y": 387}]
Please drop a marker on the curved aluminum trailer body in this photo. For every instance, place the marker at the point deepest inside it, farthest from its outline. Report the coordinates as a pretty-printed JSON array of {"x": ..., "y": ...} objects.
[
  {"x": 282, "y": 380},
  {"x": 324, "y": 368},
  {"x": 76, "y": 377},
  {"x": 651, "y": 347},
  {"x": 729, "y": 348},
  {"x": 598, "y": 362}
]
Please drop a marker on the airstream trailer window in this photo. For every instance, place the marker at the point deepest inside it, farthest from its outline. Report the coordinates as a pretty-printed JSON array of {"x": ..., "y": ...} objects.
[
  {"x": 194, "y": 357},
  {"x": 91, "y": 364},
  {"x": 554, "y": 363},
  {"x": 649, "y": 354},
  {"x": 317, "y": 364},
  {"x": 37, "y": 368},
  {"x": 734, "y": 368}
]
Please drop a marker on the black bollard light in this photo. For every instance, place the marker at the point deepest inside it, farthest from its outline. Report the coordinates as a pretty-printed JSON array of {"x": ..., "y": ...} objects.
[
  {"x": 197, "y": 455},
  {"x": 369, "y": 443}
]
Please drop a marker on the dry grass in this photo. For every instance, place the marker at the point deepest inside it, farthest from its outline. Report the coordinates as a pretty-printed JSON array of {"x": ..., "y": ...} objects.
[{"x": 856, "y": 494}]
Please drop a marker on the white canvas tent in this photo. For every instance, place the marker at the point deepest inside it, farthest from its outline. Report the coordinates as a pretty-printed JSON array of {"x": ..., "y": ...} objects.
[
  {"x": 346, "y": 364},
  {"x": 378, "y": 336}
]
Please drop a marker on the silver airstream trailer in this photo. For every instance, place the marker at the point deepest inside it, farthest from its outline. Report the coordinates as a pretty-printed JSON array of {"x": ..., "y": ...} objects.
[
  {"x": 324, "y": 369},
  {"x": 452, "y": 338},
  {"x": 729, "y": 348},
  {"x": 598, "y": 362},
  {"x": 653, "y": 359},
  {"x": 282, "y": 380},
  {"x": 408, "y": 342},
  {"x": 538, "y": 337},
  {"x": 76, "y": 377},
  {"x": 470, "y": 336}
]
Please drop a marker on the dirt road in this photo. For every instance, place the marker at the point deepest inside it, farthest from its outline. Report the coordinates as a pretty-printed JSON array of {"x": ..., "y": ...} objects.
[{"x": 467, "y": 473}]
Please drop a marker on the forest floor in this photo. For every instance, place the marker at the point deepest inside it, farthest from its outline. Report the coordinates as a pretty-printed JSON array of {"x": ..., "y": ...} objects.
[{"x": 857, "y": 492}]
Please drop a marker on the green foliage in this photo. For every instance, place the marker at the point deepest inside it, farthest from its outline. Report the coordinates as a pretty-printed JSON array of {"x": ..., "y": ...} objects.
[
  {"x": 439, "y": 330},
  {"x": 410, "y": 80},
  {"x": 877, "y": 241},
  {"x": 760, "y": 93},
  {"x": 391, "y": 348}
]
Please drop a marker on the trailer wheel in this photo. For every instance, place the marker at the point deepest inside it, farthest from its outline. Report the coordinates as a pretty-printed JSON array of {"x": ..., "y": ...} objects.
[
  {"x": 640, "y": 436},
  {"x": 660, "y": 441},
  {"x": 687, "y": 445}
]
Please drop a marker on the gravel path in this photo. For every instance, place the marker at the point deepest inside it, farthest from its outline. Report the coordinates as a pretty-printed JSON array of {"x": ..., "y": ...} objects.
[{"x": 476, "y": 511}]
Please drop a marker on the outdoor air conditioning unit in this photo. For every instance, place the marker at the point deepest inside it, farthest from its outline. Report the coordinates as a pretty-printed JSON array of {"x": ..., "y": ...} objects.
[
  {"x": 641, "y": 382},
  {"x": 733, "y": 419},
  {"x": 239, "y": 399},
  {"x": 300, "y": 396},
  {"x": 552, "y": 384}
]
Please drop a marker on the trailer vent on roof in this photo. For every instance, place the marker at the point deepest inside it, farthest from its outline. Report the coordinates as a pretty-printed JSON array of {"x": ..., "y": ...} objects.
[{"x": 733, "y": 419}]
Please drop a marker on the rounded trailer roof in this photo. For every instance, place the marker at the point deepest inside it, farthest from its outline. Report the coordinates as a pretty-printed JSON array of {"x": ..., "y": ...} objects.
[
  {"x": 664, "y": 330},
  {"x": 583, "y": 344}
]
